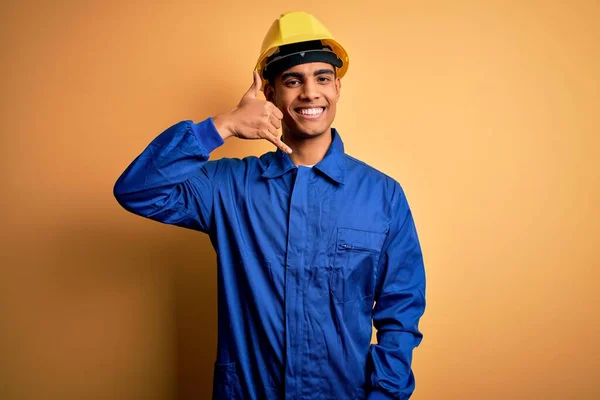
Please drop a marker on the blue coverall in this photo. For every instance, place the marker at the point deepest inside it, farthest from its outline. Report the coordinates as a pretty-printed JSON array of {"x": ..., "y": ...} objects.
[{"x": 308, "y": 258}]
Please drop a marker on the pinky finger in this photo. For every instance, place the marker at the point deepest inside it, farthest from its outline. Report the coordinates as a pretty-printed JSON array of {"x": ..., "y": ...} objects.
[{"x": 277, "y": 142}]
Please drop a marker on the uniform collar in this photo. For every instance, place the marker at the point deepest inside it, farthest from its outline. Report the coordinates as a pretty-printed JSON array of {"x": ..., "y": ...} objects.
[{"x": 331, "y": 165}]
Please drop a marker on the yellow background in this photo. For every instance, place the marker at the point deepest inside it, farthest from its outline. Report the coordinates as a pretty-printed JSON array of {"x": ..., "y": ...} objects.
[{"x": 485, "y": 111}]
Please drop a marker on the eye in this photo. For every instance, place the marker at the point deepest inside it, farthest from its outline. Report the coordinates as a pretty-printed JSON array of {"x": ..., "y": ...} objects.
[
  {"x": 323, "y": 79},
  {"x": 292, "y": 82}
]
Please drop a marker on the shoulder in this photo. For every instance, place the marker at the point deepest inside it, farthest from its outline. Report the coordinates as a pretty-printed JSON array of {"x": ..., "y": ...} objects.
[{"x": 359, "y": 170}]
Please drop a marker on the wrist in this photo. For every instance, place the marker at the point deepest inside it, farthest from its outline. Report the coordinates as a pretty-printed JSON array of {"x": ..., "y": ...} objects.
[{"x": 224, "y": 125}]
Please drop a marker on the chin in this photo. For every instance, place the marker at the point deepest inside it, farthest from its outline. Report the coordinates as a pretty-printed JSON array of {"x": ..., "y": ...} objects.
[
  {"x": 306, "y": 133},
  {"x": 310, "y": 126},
  {"x": 310, "y": 129}
]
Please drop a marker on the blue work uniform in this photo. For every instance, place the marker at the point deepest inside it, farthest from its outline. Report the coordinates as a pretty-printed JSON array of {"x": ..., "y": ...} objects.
[{"x": 308, "y": 258}]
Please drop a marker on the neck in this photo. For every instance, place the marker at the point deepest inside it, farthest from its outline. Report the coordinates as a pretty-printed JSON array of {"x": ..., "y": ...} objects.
[{"x": 308, "y": 151}]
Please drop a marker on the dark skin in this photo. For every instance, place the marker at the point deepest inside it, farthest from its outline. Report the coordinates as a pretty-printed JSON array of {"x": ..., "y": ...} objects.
[
  {"x": 301, "y": 102},
  {"x": 309, "y": 87}
]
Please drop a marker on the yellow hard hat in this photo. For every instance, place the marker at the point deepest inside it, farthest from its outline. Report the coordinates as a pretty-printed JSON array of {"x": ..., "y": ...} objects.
[{"x": 295, "y": 27}]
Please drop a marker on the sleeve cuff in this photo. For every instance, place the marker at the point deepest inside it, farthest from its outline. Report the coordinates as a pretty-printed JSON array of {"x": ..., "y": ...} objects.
[{"x": 207, "y": 135}]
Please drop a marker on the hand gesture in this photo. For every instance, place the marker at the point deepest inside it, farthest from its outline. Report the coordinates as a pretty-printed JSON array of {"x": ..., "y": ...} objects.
[{"x": 253, "y": 118}]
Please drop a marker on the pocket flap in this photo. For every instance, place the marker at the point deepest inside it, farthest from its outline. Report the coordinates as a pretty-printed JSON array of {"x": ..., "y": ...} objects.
[{"x": 354, "y": 239}]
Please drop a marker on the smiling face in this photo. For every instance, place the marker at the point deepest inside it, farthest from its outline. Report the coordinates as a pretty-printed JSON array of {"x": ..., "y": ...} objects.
[{"x": 307, "y": 95}]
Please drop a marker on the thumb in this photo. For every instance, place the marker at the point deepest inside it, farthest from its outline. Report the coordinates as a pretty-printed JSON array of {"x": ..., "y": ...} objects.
[{"x": 255, "y": 87}]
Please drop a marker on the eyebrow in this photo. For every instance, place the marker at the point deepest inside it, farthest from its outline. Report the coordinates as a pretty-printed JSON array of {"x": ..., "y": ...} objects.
[{"x": 300, "y": 75}]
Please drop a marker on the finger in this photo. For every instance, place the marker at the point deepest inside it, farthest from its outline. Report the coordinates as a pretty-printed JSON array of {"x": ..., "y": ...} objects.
[
  {"x": 276, "y": 111},
  {"x": 272, "y": 137},
  {"x": 254, "y": 89},
  {"x": 272, "y": 130},
  {"x": 257, "y": 83},
  {"x": 276, "y": 122}
]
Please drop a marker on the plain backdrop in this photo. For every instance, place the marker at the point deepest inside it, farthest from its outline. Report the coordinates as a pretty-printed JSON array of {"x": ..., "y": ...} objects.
[{"x": 485, "y": 111}]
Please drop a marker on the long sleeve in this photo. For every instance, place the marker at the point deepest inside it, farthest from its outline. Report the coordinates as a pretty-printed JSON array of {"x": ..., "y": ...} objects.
[
  {"x": 172, "y": 181},
  {"x": 400, "y": 303}
]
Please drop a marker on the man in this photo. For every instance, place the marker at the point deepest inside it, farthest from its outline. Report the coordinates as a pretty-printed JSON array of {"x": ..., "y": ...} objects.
[{"x": 307, "y": 238}]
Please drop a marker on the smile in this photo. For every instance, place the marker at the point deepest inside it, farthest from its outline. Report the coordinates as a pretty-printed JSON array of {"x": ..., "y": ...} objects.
[{"x": 310, "y": 113}]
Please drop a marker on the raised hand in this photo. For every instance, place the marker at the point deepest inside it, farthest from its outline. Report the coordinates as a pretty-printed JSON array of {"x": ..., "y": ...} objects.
[{"x": 253, "y": 118}]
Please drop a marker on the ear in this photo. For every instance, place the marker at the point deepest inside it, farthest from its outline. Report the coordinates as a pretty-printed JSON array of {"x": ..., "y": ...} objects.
[
  {"x": 338, "y": 86},
  {"x": 269, "y": 92}
]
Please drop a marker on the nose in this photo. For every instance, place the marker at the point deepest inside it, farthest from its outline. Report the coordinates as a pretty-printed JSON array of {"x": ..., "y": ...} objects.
[{"x": 310, "y": 90}]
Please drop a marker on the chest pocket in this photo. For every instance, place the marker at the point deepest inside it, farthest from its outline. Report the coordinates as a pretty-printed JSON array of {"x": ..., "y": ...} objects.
[{"x": 357, "y": 253}]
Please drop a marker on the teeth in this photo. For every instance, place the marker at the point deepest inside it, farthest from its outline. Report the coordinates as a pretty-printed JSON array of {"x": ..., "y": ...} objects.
[{"x": 311, "y": 111}]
